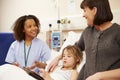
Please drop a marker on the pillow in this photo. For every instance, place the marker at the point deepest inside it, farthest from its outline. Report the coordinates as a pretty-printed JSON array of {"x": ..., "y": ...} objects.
[{"x": 71, "y": 39}]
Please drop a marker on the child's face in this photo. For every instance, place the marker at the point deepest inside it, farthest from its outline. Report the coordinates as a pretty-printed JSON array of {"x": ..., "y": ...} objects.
[
  {"x": 68, "y": 60},
  {"x": 30, "y": 28}
]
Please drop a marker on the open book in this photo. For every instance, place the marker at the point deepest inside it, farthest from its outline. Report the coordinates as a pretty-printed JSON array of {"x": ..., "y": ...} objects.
[{"x": 33, "y": 74}]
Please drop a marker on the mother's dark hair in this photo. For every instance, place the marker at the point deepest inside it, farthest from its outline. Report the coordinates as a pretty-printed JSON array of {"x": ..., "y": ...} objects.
[
  {"x": 103, "y": 14},
  {"x": 18, "y": 26}
]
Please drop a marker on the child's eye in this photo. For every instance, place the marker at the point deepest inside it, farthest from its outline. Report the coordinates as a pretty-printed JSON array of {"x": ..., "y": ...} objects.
[{"x": 69, "y": 56}]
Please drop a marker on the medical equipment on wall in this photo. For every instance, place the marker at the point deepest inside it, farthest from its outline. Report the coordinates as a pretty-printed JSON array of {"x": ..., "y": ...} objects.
[{"x": 56, "y": 39}]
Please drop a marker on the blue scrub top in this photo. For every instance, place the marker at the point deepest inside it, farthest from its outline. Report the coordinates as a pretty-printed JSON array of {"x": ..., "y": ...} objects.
[{"x": 39, "y": 51}]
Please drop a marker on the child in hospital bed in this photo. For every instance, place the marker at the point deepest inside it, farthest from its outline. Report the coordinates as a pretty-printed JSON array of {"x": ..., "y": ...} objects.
[{"x": 71, "y": 57}]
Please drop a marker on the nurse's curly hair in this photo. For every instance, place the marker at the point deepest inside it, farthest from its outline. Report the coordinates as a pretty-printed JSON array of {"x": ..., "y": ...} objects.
[{"x": 18, "y": 26}]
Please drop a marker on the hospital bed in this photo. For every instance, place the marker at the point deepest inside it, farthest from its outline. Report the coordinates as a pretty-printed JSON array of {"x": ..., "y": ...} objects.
[{"x": 8, "y": 72}]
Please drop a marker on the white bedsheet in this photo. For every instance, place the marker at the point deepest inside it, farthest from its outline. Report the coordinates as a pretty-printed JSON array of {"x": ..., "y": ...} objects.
[{"x": 11, "y": 72}]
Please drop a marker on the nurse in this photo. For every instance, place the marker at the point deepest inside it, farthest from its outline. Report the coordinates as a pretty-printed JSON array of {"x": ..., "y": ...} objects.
[{"x": 27, "y": 48}]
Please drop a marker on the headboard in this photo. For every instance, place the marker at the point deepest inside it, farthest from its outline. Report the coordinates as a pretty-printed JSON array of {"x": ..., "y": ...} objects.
[
  {"x": 64, "y": 33},
  {"x": 5, "y": 41}
]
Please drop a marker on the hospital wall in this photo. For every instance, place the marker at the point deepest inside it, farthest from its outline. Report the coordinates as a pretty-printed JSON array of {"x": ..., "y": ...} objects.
[{"x": 48, "y": 12}]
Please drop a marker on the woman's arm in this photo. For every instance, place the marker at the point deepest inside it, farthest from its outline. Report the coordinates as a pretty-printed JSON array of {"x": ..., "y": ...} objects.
[
  {"x": 54, "y": 63},
  {"x": 106, "y": 75}
]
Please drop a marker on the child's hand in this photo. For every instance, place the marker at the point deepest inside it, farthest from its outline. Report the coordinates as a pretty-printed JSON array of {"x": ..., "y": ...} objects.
[{"x": 45, "y": 75}]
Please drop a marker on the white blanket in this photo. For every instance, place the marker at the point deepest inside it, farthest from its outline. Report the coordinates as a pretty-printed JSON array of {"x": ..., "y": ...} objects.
[{"x": 11, "y": 72}]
